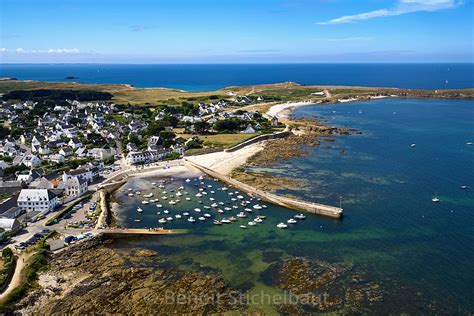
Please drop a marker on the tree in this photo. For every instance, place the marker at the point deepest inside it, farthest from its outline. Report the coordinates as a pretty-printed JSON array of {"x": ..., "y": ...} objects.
[
  {"x": 201, "y": 127},
  {"x": 7, "y": 253}
]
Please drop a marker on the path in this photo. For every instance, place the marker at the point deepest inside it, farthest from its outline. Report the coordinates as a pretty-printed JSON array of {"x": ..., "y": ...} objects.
[{"x": 16, "y": 279}]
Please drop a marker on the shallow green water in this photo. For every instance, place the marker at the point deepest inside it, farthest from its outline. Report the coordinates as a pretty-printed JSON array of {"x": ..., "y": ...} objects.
[{"x": 391, "y": 228}]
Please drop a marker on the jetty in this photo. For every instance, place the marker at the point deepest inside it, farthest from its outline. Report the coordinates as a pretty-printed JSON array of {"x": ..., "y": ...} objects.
[
  {"x": 292, "y": 203},
  {"x": 131, "y": 232}
]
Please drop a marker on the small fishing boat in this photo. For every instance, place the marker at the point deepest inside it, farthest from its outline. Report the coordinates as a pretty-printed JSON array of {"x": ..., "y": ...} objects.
[
  {"x": 252, "y": 223},
  {"x": 264, "y": 206},
  {"x": 207, "y": 215},
  {"x": 212, "y": 199},
  {"x": 186, "y": 214},
  {"x": 435, "y": 200},
  {"x": 188, "y": 199},
  {"x": 221, "y": 203},
  {"x": 191, "y": 220},
  {"x": 282, "y": 225},
  {"x": 257, "y": 207},
  {"x": 159, "y": 205},
  {"x": 463, "y": 187},
  {"x": 248, "y": 210},
  {"x": 235, "y": 206},
  {"x": 158, "y": 213},
  {"x": 258, "y": 220},
  {"x": 197, "y": 210},
  {"x": 202, "y": 218},
  {"x": 178, "y": 216},
  {"x": 130, "y": 194},
  {"x": 153, "y": 183},
  {"x": 172, "y": 202},
  {"x": 148, "y": 195},
  {"x": 169, "y": 218},
  {"x": 209, "y": 186},
  {"x": 164, "y": 197},
  {"x": 162, "y": 221},
  {"x": 213, "y": 192},
  {"x": 166, "y": 211},
  {"x": 201, "y": 178},
  {"x": 241, "y": 215},
  {"x": 215, "y": 205},
  {"x": 243, "y": 226},
  {"x": 216, "y": 222},
  {"x": 199, "y": 195},
  {"x": 181, "y": 188},
  {"x": 138, "y": 220},
  {"x": 228, "y": 208},
  {"x": 240, "y": 197},
  {"x": 226, "y": 221},
  {"x": 139, "y": 210},
  {"x": 413, "y": 145},
  {"x": 207, "y": 207},
  {"x": 179, "y": 194},
  {"x": 262, "y": 217},
  {"x": 232, "y": 219},
  {"x": 138, "y": 193},
  {"x": 145, "y": 202},
  {"x": 220, "y": 211},
  {"x": 291, "y": 221},
  {"x": 188, "y": 180},
  {"x": 300, "y": 216}
]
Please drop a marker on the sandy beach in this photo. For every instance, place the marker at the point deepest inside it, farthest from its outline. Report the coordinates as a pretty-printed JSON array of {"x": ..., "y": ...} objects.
[
  {"x": 224, "y": 162},
  {"x": 283, "y": 110}
]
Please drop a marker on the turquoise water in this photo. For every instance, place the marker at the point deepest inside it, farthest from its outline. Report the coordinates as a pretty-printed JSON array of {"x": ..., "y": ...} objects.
[
  {"x": 214, "y": 76},
  {"x": 391, "y": 227}
]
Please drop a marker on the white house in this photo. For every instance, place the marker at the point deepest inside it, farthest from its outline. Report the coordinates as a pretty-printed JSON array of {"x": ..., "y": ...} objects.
[
  {"x": 31, "y": 161},
  {"x": 75, "y": 186},
  {"x": 74, "y": 143},
  {"x": 40, "y": 200},
  {"x": 66, "y": 151},
  {"x": 100, "y": 153},
  {"x": 11, "y": 225},
  {"x": 57, "y": 158}
]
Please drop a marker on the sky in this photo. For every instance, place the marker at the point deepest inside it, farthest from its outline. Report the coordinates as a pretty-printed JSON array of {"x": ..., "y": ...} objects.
[{"x": 236, "y": 31}]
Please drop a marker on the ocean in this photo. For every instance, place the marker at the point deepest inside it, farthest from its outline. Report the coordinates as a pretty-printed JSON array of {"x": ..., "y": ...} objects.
[
  {"x": 206, "y": 77},
  {"x": 419, "y": 251}
]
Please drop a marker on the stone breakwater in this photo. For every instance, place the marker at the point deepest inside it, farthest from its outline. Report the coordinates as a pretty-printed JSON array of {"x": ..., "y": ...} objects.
[{"x": 315, "y": 208}]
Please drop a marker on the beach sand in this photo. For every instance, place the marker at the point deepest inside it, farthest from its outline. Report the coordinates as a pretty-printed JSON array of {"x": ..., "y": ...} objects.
[
  {"x": 224, "y": 162},
  {"x": 283, "y": 110}
]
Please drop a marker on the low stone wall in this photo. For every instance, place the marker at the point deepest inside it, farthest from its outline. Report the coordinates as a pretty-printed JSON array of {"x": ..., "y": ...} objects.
[{"x": 258, "y": 139}]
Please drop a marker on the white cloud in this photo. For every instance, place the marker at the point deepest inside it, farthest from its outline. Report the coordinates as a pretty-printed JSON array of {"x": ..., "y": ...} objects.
[
  {"x": 401, "y": 7},
  {"x": 63, "y": 51},
  {"x": 42, "y": 51}
]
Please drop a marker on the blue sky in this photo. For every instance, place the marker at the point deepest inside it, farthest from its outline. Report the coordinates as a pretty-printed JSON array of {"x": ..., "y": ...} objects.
[{"x": 233, "y": 31}]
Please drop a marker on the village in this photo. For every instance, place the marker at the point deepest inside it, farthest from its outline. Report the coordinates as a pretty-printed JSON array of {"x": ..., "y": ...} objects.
[{"x": 56, "y": 153}]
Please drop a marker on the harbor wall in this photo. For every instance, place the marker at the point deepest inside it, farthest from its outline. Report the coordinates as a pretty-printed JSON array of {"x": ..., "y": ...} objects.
[{"x": 305, "y": 206}]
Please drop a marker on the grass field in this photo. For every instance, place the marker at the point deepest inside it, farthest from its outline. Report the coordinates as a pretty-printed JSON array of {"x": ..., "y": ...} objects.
[
  {"x": 219, "y": 141},
  {"x": 281, "y": 92}
]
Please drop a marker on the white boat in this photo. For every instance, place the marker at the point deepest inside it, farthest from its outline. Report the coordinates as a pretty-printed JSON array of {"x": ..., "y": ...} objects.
[
  {"x": 243, "y": 226},
  {"x": 252, "y": 223},
  {"x": 463, "y": 187},
  {"x": 240, "y": 197},
  {"x": 172, "y": 202},
  {"x": 233, "y": 199},
  {"x": 159, "y": 205},
  {"x": 291, "y": 221},
  {"x": 138, "y": 220},
  {"x": 130, "y": 194},
  {"x": 197, "y": 210},
  {"x": 164, "y": 197},
  {"x": 145, "y": 202},
  {"x": 179, "y": 194},
  {"x": 207, "y": 207},
  {"x": 232, "y": 219},
  {"x": 212, "y": 199},
  {"x": 249, "y": 210},
  {"x": 413, "y": 145},
  {"x": 169, "y": 218},
  {"x": 199, "y": 195},
  {"x": 207, "y": 215},
  {"x": 282, "y": 225},
  {"x": 213, "y": 192},
  {"x": 186, "y": 214},
  {"x": 181, "y": 188},
  {"x": 235, "y": 206},
  {"x": 188, "y": 180},
  {"x": 139, "y": 210},
  {"x": 300, "y": 216},
  {"x": 469, "y": 143},
  {"x": 257, "y": 207},
  {"x": 191, "y": 220},
  {"x": 153, "y": 183},
  {"x": 228, "y": 208},
  {"x": 215, "y": 205},
  {"x": 264, "y": 206},
  {"x": 148, "y": 195},
  {"x": 138, "y": 193},
  {"x": 262, "y": 216},
  {"x": 216, "y": 222},
  {"x": 202, "y": 218},
  {"x": 435, "y": 200},
  {"x": 221, "y": 203},
  {"x": 241, "y": 215},
  {"x": 220, "y": 211},
  {"x": 158, "y": 213},
  {"x": 258, "y": 220},
  {"x": 178, "y": 216},
  {"x": 188, "y": 199},
  {"x": 162, "y": 221},
  {"x": 166, "y": 211},
  {"x": 164, "y": 192},
  {"x": 225, "y": 221},
  {"x": 201, "y": 177},
  {"x": 224, "y": 189}
]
